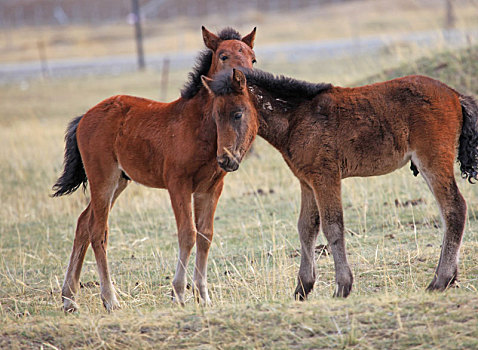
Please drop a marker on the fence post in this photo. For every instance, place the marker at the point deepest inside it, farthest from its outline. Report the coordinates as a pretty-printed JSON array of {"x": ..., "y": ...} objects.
[
  {"x": 138, "y": 34},
  {"x": 450, "y": 15}
]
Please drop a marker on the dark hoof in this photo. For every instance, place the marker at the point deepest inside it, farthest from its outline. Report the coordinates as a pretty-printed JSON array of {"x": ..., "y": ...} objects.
[
  {"x": 441, "y": 285},
  {"x": 342, "y": 291},
  {"x": 302, "y": 290},
  {"x": 176, "y": 300}
]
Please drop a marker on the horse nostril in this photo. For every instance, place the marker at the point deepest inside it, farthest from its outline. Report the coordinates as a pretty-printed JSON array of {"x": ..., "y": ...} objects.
[
  {"x": 227, "y": 164},
  {"x": 222, "y": 161},
  {"x": 233, "y": 165}
]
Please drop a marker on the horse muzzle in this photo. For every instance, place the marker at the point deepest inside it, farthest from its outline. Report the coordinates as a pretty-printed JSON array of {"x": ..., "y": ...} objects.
[{"x": 227, "y": 163}]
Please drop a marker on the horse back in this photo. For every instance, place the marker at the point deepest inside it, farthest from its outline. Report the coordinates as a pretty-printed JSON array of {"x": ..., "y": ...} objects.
[
  {"x": 148, "y": 140},
  {"x": 102, "y": 124},
  {"x": 377, "y": 128}
]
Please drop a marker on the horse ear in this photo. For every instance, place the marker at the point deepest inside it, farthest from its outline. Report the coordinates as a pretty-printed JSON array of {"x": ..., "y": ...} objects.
[
  {"x": 249, "y": 38},
  {"x": 210, "y": 40},
  {"x": 206, "y": 82},
  {"x": 238, "y": 80}
]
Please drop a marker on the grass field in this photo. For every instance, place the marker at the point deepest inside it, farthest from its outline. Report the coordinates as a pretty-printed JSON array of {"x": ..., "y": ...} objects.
[{"x": 393, "y": 240}]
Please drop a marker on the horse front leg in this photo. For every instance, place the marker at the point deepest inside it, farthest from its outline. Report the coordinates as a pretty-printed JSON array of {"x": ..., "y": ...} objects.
[
  {"x": 328, "y": 198},
  {"x": 204, "y": 208},
  {"x": 308, "y": 226},
  {"x": 180, "y": 194}
]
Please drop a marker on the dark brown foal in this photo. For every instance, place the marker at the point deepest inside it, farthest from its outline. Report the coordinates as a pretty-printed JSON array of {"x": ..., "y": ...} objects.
[{"x": 328, "y": 133}]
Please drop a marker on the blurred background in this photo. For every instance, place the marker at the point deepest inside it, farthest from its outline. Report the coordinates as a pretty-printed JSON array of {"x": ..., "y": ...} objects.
[{"x": 340, "y": 41}]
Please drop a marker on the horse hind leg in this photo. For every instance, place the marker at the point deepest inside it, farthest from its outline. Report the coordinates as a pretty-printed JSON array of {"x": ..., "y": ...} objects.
[
  {"x": 453, "y": 212},
  {"x": 71, "y": 283},
  {"x": 103, "y": 195}
]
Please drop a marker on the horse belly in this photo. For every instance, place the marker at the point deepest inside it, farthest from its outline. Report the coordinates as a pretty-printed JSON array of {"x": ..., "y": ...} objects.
[
  {"x": 356, "y": 168},
  {"x": 375, "y": 154},
  {"x": 142, "y": 161}
]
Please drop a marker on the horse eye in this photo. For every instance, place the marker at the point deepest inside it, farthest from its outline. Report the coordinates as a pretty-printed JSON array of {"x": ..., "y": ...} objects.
[
  {"x": 237, "y": 115},
  {"x": 223, "y": 58},
  {"x": 254, "y": 61}
]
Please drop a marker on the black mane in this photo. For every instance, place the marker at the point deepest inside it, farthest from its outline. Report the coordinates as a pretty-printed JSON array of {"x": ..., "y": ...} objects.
[
  {"x": 281, "y": 86},
  {"x": 203, "y": 63},
  {"x": 229, "y": 33}
]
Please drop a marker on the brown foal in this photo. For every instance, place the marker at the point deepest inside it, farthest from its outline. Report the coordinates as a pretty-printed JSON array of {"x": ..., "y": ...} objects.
[
  {"x": 328, "y": 133},
  {"x": 163, "y": 145}
]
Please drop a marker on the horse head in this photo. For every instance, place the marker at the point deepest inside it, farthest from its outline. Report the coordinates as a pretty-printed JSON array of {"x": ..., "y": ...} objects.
[
  {"x": 235, "y": 116},
  {"x": 229, "y": 53}
]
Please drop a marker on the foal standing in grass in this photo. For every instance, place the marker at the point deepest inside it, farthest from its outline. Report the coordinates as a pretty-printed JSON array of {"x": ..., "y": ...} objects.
[
  {"x": 163, "y": 145},
  {"x": 328, "y": 133}
]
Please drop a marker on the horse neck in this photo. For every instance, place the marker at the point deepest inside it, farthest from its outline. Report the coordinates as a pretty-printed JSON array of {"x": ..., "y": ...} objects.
[
  {"x": 275, "y": 116},
  {"x": 198, "y": 109}
]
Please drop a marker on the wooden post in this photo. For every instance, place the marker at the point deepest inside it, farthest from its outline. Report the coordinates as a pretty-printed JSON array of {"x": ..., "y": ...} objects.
[
  {"x": 138, "y": 34},
  {"x": 450, "y": 15}
]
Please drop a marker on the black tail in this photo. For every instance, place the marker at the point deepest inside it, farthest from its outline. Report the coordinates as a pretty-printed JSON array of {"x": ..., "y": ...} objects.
[
  {"x": 468, "y": 147},
  {"x": 74, "y": 173}
]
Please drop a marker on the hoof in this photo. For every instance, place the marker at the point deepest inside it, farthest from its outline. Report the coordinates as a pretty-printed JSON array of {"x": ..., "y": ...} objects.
[
  {"x": 342, "y": 291},
  {"x": 201, "y": 298},
  {"x": 441, "y": 284},
  {"x": 343, "y": 283},
  {"x": 176, "y": 299},
  {"x": 203, "y": 302},
  {"x": 111, "y": 305},
  {"x": 69, "y": 306},
  {"x": 302, "y": 290}
]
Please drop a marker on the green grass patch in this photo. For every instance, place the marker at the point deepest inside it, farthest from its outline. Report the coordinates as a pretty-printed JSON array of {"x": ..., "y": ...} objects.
[{"x": 455, "y": 68}]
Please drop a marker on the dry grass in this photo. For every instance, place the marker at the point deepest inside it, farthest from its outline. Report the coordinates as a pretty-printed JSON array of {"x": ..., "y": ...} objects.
[
  {"x": 393, "y": 247},
  {"x": 416, "y": 321}
]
